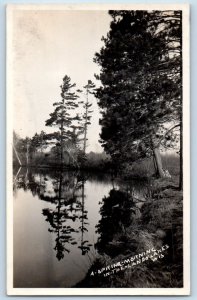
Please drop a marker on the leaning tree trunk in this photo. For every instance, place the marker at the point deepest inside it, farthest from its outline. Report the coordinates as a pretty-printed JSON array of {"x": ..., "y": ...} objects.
[
  {"x": 17, "y": 155},
  {"x": 158, "y": 162},
  {"x": 155, "y": 165}
]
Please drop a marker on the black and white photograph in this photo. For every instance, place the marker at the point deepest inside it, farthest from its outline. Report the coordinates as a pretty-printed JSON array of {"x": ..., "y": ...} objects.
[{"x": 98, "y": 149}]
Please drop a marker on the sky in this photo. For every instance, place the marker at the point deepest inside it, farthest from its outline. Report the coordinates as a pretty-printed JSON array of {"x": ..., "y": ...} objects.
[{"x": 47, "y": 45}]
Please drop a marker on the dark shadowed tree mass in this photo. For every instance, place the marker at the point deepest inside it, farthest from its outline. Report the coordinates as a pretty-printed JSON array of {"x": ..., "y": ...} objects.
[{"x": 141, "y": 92}]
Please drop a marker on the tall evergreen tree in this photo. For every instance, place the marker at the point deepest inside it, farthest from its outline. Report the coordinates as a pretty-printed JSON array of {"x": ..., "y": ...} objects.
[
  {"x": 89, "y": 88},
  {"x": 65, "y": 115},
  {"x": 140, "y": 76}
]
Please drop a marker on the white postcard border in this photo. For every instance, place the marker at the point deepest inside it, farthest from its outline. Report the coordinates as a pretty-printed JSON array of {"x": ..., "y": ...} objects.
[{"x": 186, "y": 156}]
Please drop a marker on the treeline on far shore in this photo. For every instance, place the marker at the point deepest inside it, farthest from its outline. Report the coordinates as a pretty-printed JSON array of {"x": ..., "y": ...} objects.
[
  {"x": 102, "y": 162},
  {"x": 92, "y": 160}
]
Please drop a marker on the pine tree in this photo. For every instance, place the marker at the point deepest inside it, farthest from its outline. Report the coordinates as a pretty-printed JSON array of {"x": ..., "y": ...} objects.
[
  {"x": 89, "y": 87},
  {"x": 65, "y": 115},
  {"x": 141, "y": 90}
]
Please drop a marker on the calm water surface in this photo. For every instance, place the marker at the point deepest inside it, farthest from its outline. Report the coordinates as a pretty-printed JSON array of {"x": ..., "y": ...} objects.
[
  {"x": 55, "y": 215},
  {"x": 58, "y": 220}
]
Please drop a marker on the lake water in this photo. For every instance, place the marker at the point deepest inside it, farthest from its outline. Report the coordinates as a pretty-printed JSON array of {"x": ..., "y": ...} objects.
[{"x": 56, "y": 217}]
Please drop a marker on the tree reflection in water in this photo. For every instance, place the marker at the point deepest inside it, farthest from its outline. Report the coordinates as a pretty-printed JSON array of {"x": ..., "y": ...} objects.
[
  {"x": 117, "y": 211},
  {"x": 69, "y": 206},
  {"x": 65, "y": 190},
  {"x": 85, "y": 245}
]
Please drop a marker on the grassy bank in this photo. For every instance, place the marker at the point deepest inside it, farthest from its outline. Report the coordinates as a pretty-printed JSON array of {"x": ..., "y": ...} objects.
[
  {"x": 142, "y": 226},
  {"x": 145, "y": 168}
]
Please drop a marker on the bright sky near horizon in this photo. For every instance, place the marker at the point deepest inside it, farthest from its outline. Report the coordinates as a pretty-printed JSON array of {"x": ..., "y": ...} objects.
[{"x": 46, "y": 46}]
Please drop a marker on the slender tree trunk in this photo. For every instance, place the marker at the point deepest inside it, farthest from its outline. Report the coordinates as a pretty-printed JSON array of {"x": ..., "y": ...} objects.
[
  {"x": 155, "y": 165},
  {"x": 27, "y": 153},
  {"x": 82, "y": 217},
  {"x": 61, "y": 146},
  {"x": 19, "y": 169},
  {"x": 58, "y": 241},
  {"x": 85, "y": 136},
  {"x": 26, "y": 177},
  {"x": 61, "y": 139},
  {"x": 85, "y": 126},
  {"x": 17, "y": 155},
  {"x": 158, "y": 161},
  {"x": 41, "y": 143}
]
